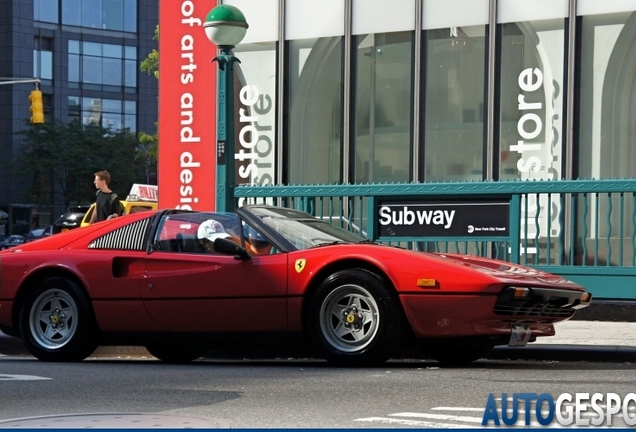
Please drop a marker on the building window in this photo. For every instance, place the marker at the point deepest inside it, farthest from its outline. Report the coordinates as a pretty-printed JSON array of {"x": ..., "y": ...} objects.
[
  {"x": 454, "y": 91},
  {"x": 531, "y": 120},
  {"x": 87, "y": 62},
  {"x": 383, "y": 107},
  {"x": 108, "y": 113},
  {"x": 256, "y": 95},
  {"x": 46, "y": 11},
  {"x": 43, "y": 58},
  {"x": 607, "y": 143},
  {"x": 118, "y": 15},
  {"x": 314, "y": 119}
]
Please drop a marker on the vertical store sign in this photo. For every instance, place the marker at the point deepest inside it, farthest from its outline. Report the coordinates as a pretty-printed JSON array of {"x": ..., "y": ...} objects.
[{"x": 187, "y": 106}]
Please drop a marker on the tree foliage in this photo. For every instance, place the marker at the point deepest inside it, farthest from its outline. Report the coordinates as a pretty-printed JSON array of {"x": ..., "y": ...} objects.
[
  {"x": 58, "y": 161},
  {"x": 149, "y": 143},
  {"x": 150, "y": 64}
]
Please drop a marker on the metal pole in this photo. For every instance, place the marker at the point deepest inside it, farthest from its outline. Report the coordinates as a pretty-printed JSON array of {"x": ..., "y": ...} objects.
[
  {"x": 225, "y": 176},
  {"x": 20, "y": 81}
]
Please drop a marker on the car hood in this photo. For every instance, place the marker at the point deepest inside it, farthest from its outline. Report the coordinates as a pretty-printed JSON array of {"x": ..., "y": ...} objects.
[{"x": 500, "y": 269}]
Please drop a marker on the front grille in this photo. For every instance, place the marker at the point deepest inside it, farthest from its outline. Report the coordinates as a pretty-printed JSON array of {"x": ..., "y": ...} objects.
[{"x": 541, "y": 302}]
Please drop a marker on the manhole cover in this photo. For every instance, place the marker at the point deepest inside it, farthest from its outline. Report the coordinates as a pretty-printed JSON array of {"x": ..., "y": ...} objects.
[{"x": 114, "y": 420}]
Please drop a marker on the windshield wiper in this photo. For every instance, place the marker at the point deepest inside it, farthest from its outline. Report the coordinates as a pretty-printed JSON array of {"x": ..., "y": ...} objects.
[
  {"x": 330, "y": 243},
  {"x": 367, "y": 241}
]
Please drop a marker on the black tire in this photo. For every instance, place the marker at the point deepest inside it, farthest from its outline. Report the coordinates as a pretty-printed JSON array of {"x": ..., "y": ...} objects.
[
  {"x": 57, "y": 322},
  {"x": 175, "y": 353},
  {"x": 354, "y": 319}
]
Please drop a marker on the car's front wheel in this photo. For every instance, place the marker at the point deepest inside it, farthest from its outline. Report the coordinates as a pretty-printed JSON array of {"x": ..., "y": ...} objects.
[
  {"x": 57, "y": 321},
  {"x": 354, "y": 319}
]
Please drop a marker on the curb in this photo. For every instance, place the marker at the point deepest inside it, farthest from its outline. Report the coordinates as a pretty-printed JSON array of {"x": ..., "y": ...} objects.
[
  {"x": 556, "y": 352},
  {"x": 12, "y": 346}
]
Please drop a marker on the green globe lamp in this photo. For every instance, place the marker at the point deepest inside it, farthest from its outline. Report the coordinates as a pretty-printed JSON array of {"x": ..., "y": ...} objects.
[{"x": 225, "y": 26}]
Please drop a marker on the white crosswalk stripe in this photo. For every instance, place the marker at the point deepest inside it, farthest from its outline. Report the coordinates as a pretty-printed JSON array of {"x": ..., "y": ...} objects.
[
  {"x": 461, "y": 417},
  {"x": 5, "y": 377},
  {"x": 430, "y": 420}
]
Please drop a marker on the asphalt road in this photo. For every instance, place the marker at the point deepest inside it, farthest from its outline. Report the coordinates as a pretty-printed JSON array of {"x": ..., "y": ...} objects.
[{"x": 281, "y": 393}]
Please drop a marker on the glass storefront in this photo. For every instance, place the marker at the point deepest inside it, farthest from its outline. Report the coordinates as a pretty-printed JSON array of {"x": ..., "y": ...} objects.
[
  {"x": 314, "y": 121},
  {"x": 383, "y": 107},
  {"x": 454, "y": 91},
  {"x": 372, "y": 100},
  {"x": 531, "y": 91}
]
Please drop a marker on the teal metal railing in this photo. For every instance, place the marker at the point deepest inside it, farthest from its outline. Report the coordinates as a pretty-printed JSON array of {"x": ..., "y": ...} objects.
[{"x": 582, "y": 229}]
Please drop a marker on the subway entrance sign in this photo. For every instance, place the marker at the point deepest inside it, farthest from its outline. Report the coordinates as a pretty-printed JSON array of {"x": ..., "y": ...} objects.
[{"x": 443, "y": 218}]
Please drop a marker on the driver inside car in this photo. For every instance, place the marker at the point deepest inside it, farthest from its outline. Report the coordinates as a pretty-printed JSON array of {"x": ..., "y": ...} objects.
[
  {"x": 256, "y": 244},
  {"x": 211, "y": 230}
]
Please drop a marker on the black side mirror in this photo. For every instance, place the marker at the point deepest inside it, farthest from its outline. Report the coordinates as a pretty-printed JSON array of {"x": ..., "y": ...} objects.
[{"x": 229, "y": 247}]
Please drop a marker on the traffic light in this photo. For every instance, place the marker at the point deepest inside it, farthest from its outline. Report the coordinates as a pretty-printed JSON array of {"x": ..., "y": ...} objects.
[{"x": 37, "y": 109}]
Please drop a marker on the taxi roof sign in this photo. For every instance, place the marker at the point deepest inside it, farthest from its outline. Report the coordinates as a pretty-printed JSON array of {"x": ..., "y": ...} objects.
[{"x": 143, "y": 192}]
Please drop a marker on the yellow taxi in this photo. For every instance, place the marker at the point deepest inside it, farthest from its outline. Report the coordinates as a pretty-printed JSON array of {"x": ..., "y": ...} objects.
[{"x": 141, "y": 198}]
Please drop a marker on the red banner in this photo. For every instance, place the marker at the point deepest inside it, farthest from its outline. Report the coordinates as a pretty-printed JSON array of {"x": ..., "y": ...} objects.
[{"x": 187, "y": 106}]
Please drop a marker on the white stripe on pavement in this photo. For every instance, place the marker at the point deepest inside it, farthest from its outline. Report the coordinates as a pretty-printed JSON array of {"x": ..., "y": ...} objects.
[
  {"x": 412, "y": 422},
  {"x": 4, "y": 377}
]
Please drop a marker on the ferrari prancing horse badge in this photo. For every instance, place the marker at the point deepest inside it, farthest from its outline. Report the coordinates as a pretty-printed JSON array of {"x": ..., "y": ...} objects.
[{"x": 300, "y": 265}]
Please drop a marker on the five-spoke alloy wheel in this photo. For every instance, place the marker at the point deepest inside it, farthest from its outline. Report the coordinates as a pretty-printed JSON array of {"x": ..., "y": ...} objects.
[
  {"x": 355, "y": 319},
  {"x": 57, "y": 323}
]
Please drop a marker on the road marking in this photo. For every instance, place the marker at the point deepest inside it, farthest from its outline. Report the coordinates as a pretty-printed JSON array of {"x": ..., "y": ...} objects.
[
  {"x": 440, "y": 417},
  {"x": 4, "y": 377},
  {"x": 413, "y": 423}
]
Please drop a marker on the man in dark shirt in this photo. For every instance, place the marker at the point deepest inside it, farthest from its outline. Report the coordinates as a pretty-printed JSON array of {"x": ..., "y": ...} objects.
[{"x": 107, "y": 203}]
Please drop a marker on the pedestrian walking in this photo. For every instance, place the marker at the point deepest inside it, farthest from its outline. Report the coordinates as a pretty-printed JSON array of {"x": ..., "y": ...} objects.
[{"x": 107, "y": 203}]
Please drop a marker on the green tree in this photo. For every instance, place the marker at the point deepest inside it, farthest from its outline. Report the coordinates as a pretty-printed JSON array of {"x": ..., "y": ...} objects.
[
  {"x": 149, "y": 143},
  {"x": 59, "y": 160},
  {"x": 150, "y": 64}
]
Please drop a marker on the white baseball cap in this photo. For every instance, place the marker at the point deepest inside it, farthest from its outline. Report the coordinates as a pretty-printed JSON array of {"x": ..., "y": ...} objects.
[{"x": 211, "y": 229}]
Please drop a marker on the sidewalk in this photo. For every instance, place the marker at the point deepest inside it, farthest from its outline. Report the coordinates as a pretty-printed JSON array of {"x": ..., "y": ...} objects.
[{"x": 596, "y": 341}]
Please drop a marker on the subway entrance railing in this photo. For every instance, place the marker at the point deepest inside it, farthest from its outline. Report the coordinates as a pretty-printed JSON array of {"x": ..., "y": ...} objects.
[{"x": 584, "y": 230}]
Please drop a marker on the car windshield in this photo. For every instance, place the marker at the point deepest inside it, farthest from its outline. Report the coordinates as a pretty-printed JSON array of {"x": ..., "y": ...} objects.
[{"x": 307, "y": 233}]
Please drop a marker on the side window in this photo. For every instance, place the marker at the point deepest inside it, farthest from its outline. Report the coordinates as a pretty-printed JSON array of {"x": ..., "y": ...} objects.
[
  {"x": 195, "y": 232},
  {"x": 256, "y": 243}
]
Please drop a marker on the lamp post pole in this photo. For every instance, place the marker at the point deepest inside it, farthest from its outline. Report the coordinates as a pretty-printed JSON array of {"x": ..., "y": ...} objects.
[{"x": 225, "y": 26}]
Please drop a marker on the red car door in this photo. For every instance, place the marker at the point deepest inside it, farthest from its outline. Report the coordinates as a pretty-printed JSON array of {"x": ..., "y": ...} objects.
[{"x": 197, "y": 292}]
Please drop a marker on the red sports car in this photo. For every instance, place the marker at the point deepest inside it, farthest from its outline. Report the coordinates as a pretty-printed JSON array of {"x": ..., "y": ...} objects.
[{"x": 180, "y": 283}]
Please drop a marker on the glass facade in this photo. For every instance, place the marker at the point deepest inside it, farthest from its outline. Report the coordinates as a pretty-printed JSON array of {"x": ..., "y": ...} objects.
[
  {"x": 383, "y": 105},
  {"x": 453, "y": 115},
  {"x": 118, "y": 15},
  {"x": 315, "y": 101},
  {"x": 109, "y": 113},
  {"x": 353, "y": 115},
  {"x": 448, "y": 90},
  {"x": 100, "y": 66},
  {"x": 43, "y": 58}
]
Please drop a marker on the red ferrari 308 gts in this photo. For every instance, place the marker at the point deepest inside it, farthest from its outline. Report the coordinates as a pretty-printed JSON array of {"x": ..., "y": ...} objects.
[{"x": 180, "y": 282}]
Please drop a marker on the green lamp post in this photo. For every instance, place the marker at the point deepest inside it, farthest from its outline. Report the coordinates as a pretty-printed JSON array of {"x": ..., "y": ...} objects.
[{"x": 225, "y": 26}]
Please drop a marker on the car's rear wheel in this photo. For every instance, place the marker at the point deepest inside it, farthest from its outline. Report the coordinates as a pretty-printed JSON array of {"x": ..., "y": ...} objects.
[
  {"x": 175, "y": 353},
  {"x": 355, "y": 319},
  {"x": 57, "y": 321}
]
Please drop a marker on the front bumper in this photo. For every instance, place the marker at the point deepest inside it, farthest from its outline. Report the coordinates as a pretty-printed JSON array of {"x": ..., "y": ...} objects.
[{"x": 460, "y": 315}]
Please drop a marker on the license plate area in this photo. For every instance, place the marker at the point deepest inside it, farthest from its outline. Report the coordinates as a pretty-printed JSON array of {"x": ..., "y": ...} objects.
[{"x": 520, "y": 335}]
